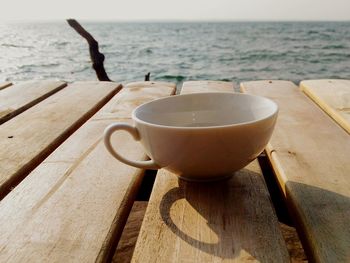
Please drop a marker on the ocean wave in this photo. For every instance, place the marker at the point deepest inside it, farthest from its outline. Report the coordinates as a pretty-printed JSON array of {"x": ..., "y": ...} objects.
[
  {"x": 82, "y": 69},
  {"x": 146, "y": 51},
  {"x": 226, "y": 59},
  {"x": 62, "y": 43},
  {"x": 27, "y": 67},
  {"x": 206, "y": 51},
  {"x": 312, "y": 32},
  {"x": 294, "y": 39},
  {"x": 266, "y": 55},
  {"x": 336, "y": 55},
  {"x": 16, "y": 46},
  {"x": 336, "y": 46},
  {"x": 177, "y": 78}
]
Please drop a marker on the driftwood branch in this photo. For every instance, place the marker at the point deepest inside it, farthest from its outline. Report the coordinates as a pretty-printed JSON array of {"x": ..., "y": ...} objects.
[
  {"x": 97, "y": 58},
  {"x": 147, "y": 76}
]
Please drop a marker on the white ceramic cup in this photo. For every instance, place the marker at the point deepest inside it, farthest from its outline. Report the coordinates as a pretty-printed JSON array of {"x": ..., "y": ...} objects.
[{"x": 200, "y": 136}]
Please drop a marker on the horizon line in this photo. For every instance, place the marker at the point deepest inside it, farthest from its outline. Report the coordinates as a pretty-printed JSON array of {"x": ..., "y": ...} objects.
[{"x": 43, "y": 20}]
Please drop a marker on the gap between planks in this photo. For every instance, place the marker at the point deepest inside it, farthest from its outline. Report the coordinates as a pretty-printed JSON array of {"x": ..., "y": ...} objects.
[
  {"x": 30, "y": 137},
  {"x": 21, "y": 97},
  {"x": 4, "y": 85},
  {"x": 333, "y": 96},
  {"x": 309, "y": 154}
]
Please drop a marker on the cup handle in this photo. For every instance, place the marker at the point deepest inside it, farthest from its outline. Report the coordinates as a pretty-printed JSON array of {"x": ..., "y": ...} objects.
[{"x": 150, "y": 164}]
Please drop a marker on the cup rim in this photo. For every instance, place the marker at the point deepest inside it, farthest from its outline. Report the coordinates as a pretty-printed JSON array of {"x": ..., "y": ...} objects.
[{"x": 274, "y": 112}]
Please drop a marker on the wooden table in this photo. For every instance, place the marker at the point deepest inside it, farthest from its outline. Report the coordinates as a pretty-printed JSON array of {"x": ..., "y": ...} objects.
[{"x": 65, "y": 199}]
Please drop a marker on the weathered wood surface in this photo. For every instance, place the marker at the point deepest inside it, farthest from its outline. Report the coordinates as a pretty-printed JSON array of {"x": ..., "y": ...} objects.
[
  {"x": 27, "y": 139},
  {"x": 333, "y": 96},
  {"x": 73, "y": 206},
  {"x": 22, "y": 96},
  {"x": 310, "y": 156},
  {"x": 139, "y": 92},
  {"x": 206, "y": 86},
  {"x": 153, "y": 84},
  {"x": 230, "y": 221},
  {"x": 5, "y": 85}
]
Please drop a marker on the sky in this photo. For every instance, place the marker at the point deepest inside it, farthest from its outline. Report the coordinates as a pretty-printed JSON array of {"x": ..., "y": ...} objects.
[{"x": 207, "y": 10}]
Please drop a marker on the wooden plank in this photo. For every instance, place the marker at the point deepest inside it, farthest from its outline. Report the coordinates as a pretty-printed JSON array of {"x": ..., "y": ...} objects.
[
  {"x": 130, "y": 100},
  {"x": 73, "y": 206},
  {"x": 310, "y": 155},
  {"x": 27, "y": 139},
  {"x": 333, "y": 96},
  {"x": 206, "y": 86},
  {"x": 149, "y": 84},
  {"x": 22, "y": 96},
  {"x": 230, "y": 221},
  {"x": 5, "y": 85}
]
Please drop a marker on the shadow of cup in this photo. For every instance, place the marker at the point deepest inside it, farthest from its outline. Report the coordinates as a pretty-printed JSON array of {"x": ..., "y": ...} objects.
[
  {"x": 190, "y": 192},
  {"x": 208, "y": 224},
  {"x": 224, "y": 207}
]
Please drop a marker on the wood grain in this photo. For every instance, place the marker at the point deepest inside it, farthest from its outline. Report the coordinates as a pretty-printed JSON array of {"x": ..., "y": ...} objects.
[
  {"x": 227, "y": 221},
  {"x": 22, "y": 96},
  {"x": 310, "y": 156},
  {"x": 137, "y": 92},
  {"x": 206, "y": 86},
  {"x": 5, "y": 85},
  {"x": 333, "y": 96},
  {"x": 73, "y": 206},
  {"x": 27, "y": 139}
]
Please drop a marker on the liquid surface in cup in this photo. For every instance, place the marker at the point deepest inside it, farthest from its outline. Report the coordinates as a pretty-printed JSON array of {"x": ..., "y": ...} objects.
[
  {"x": 206, "y": 110},
  {"x": 202, "y": 124}
]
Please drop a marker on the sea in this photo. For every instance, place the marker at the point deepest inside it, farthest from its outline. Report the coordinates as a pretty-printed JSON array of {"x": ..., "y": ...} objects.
[{"x": 177, "y": 51}]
